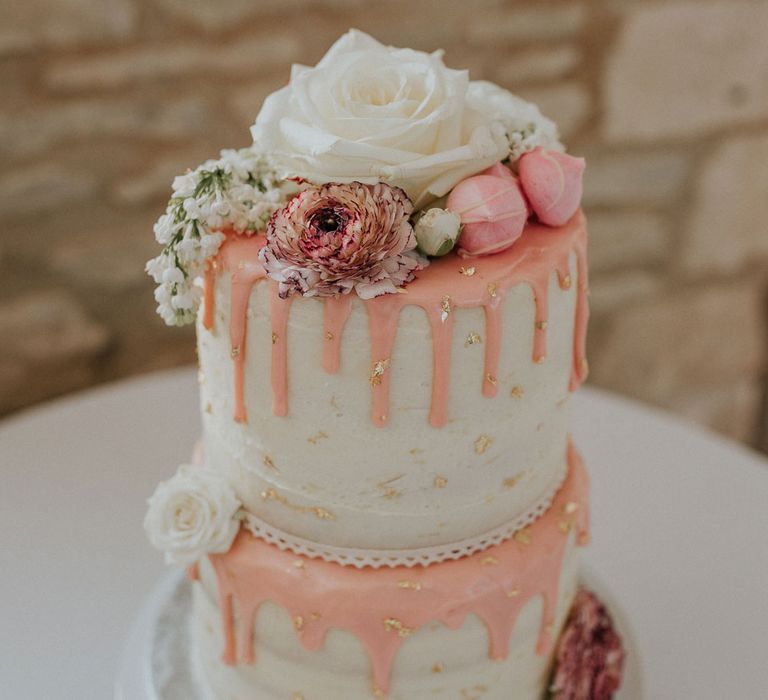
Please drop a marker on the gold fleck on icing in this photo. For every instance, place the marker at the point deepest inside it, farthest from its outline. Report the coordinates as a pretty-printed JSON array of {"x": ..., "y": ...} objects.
[
  {"x": 473, "y": 339},
  {"x": 523, "y": 536},
  {"x": 410, "y": 585},
  {"x": 562, "y": 402},
  {"x": 566, "y": 283},
  {"x": 440, "y": 482},
  {"x": 393, "y": 624},
  {"x": 274, "y": 337},
  {"x": 235, "y": 351},
  {"x": 269, "y": 463},
  {"x": 510, "y": 482},
  {"x": 315, "y": 616},
  {"x": 445, "y": 308},
  {"x": 517, "y": 392},
  {"x": 489, "y": 560},
  {"x": 297, "y": 696},
  {"x": 379, "y": 367},
  {"x": 570, "y": 508},
  {"x": 316, "y": 438},
  {"x": 513, "y": 592},
  {"x": 319, "y": 512},
  {"x": 298, "y": 623},
  {"x": 377, "y": 693},
  {"x": 209, "y": 407},
  {"x": 438, "y": 667},
  {"x": 298, "y": 564},
  {"x": 493, "y": 290},
  {"x": 482, "y": 444},
  {"x": 334, "y": 402},
  {"x": 467, "y": 271},
  {"x": 541, "y": 360},
  {"x": 392, "y": 494},
  {"x": 329, "y": 335},
  {"x": 491, "y": 379},
  {"x": 541, "y": 325},
  {"x": 564, "y": 526},
  {"x": 416, "y": 451}
]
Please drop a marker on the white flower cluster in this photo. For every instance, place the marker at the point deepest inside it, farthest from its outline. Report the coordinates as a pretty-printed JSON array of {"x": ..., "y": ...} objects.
[
  {"x": 192, "y": 514},
  {"x": 239, "y": 191}
]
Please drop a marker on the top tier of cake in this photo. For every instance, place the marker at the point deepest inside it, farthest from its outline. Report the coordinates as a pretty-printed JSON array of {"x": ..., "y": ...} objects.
[{"x": 411, "y": 420}]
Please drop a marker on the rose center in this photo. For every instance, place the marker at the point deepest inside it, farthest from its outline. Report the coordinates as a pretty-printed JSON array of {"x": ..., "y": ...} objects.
[{"x": 328, "y": 222}]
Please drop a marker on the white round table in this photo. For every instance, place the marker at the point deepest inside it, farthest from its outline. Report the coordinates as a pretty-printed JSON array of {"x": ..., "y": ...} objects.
[{"x": 680, "y": 537}]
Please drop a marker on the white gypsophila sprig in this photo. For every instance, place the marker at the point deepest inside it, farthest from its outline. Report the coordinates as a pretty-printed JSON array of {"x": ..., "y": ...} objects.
[{"x": 238, "y": 191}]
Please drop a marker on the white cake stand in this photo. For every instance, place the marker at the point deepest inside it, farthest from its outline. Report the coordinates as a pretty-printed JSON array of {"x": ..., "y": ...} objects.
[{"x": 156, "y": 663}]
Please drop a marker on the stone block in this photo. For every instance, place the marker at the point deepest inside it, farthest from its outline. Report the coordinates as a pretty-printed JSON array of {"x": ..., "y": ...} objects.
[
  {"x": 683, "y": 68},
  {"x": 727, "y": 225},
  {"x": 635, "y": 178},
  {"x": 627, "y": 239},
  {"x": 36, "y": 24}
]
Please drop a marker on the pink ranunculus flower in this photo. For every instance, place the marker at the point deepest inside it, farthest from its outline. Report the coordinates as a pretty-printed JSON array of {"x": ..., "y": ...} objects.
[{"x": 337, "y": 238}]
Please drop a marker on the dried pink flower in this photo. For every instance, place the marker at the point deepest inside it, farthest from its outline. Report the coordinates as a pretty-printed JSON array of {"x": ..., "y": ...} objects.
[
  {"x": 590, "y": 655},
  {"x": 338, "y": 237}
]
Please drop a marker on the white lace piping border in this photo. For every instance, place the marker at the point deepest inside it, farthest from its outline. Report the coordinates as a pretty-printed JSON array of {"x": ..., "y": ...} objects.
[{"x": 423, "y": 556}]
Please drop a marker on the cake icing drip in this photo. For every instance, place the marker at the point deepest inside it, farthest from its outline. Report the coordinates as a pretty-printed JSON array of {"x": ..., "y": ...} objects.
[
  {"x": 384, "y": 607},
  {"x": 450, "y": 283}
]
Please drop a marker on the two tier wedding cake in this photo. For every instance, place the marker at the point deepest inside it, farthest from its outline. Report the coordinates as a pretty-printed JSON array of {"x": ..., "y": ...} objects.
[{"x": 390, "y": 291}]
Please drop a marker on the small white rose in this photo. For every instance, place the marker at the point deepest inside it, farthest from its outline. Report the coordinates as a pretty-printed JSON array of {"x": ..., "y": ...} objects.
[
  {"x": 437, "y": 231},
  {"x": 192, "y": 514}
]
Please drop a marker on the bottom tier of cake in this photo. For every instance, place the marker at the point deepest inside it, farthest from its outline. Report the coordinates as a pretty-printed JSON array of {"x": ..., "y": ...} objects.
[{"x": 270, "y": 625}]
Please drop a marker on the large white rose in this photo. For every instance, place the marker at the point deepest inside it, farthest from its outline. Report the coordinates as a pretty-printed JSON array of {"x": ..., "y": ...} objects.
[
  {"x": 370, "y": 112},
  {"x": 192, "y": 514}
]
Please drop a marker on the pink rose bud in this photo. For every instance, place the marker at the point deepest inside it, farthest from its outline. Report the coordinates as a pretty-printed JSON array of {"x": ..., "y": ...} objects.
[
  {"x": 499, "y": 170},
  {"x": 493, "y": 213},
  {"x": 552, "y": 182}
]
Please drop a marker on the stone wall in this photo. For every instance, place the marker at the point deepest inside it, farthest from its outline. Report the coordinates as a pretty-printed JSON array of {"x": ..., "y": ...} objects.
[{"x": 105, "y": 100}]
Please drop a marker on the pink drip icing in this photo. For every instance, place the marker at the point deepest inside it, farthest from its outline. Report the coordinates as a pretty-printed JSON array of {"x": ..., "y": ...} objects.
[
  {"x": 494, "y": 584},
  {"x": 383, "y": 315},
  {"x": 279, "y": 309},
  {"x": 335, "y": 314},
  {"x": 209, "y": 279},
  {"x": 492, "y": 346},
  {"x": 539, "y": 251}
]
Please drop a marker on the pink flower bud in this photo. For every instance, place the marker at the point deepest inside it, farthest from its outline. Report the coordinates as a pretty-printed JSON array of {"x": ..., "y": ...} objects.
[
  {"x": 552, "y": 182},
  {"x": 493, "y": 213}
]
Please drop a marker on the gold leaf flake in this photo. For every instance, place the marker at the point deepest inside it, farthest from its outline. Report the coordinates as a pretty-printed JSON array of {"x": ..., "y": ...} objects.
[
  {"x": 513, "y": 592},
  {"x": 377, "y": 693},
  {"x": 473, "y": 339},
  {"x": 410, "y": 585},
  {"x": 445, "y": 308},
  {"x": 235, "y": 351},
  {"x": 315, "y": 616},
  {"x": 416, "y": 451},
  {"x": 298, "y": 623},
  {"x": 467, "y": 271},
  {"x": 517, "y": 392},
  {"x": 570, "y": 508},
  {"x": 523, "y": 536},
  {"x": 541, "y": 359},
  {"x": 297, "y": 696},
  {"x": 298, "y": 564},
  {"x": 438, "y": 668},
  {"x": 489, "y": 560},
  {"x": 566, "y": 283},
  {"x": 379, "y": 367},
  {"x": 392, "y": 494},
  {"x": 209, "y": 407},
  {"x": 541, "y": 325},
  {"x": 564, "y": 526},
  {"x": 271, "y": 495},
  {"x": 393, "y": 624},
  {"x": 328, "y": 335},
  {"x": 510, "y": 482},
  {"x": 269, "y": 463},
  {"x": 440, "y": 482},
  {"x": 316, "y": 438},
  {"x": 493, "y": 289},
  {"x": 275, "y": 336},
  {"x": 491, "y": 379},
  {"x": 482, "y": 444}
]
